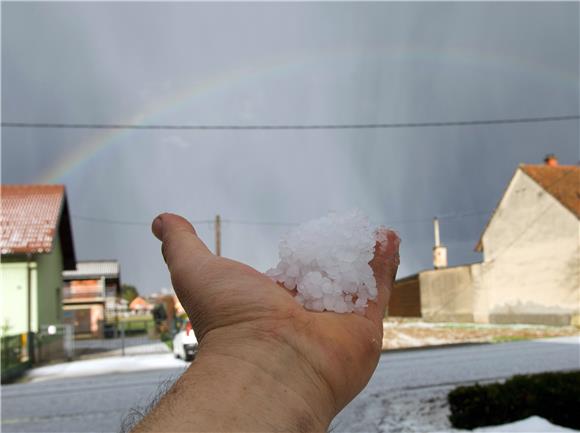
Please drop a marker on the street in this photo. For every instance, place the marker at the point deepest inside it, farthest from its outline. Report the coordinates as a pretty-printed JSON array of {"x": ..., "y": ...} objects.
[{"x": 406, "y": 393}]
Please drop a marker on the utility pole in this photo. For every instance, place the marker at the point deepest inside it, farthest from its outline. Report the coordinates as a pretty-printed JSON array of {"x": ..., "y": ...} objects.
[{"x": 218, "y": 235}]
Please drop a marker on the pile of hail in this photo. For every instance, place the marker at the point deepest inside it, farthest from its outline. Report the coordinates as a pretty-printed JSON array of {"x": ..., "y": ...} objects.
[{"x": 326, "y": 261}]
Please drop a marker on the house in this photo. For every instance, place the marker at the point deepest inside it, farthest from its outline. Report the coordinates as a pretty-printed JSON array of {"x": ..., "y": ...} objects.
[
  {"x": 140, "y": 305},
  {"x": 36, "y": 245},
  {"x": 531, "y": 259},
  {"x": 90, "y": 295},
  {"x": 166, "y": 308}
]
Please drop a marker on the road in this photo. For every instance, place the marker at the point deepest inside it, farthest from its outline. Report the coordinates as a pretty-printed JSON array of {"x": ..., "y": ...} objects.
[
  {"x": 114, "y": 346},
  {"x": 403, "y": 380}
]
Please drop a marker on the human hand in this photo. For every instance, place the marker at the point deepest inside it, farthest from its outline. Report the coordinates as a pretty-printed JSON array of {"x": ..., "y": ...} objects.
[{"x": 314, "y": 362}]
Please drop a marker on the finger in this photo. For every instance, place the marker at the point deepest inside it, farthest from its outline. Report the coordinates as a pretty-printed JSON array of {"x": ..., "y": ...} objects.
[
  {"x": 384, "y": 264},
  {"x": 179, "y": 240}
]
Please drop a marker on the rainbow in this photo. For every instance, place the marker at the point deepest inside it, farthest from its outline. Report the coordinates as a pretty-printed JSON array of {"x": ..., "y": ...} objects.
[{"x": 279, "y": 67}]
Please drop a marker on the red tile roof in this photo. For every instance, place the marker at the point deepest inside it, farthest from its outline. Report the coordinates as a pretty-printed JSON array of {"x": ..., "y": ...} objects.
[
  {"x": 29, "y": 217},
  {"x": 561, "y": 181}
]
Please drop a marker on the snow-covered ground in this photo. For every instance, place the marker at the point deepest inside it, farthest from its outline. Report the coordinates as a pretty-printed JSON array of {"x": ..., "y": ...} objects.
[
  {"x": 412, "y": 333},
  {"x": 109, "y": 365},
  {"x": 427, "y": 410},
  {"x": 533, "y": 424},
  {"x": 407, "y": 394}
]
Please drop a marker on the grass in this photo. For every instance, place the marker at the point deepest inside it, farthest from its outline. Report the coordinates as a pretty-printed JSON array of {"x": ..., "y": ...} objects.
[
  {"x": 414, "y": 333},
  {"x": 143, "y": 318},
  {"x": 134, "y": 324},
  {"x": 511, "y": 338},
  {"x": 169, "y": 344}
]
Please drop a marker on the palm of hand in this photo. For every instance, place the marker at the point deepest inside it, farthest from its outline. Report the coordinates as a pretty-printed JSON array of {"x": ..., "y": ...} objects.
[{"x": 227, "y": 296}]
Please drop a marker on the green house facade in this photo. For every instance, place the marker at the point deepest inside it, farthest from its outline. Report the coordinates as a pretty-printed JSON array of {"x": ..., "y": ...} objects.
[{"x": 36, "y": 247}]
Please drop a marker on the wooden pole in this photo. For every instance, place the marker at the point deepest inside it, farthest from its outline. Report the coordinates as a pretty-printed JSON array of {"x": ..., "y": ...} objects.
[{"x": 218, "y": 235}]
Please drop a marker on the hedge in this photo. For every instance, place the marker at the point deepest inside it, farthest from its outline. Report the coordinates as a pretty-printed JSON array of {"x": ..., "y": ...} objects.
[
  {"x": 11, "y": 362},
  {"x": 553, "y": 396}
]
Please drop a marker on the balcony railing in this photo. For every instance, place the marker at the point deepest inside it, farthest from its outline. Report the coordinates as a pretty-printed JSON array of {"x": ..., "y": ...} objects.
[{"x": 70, "y": 293}]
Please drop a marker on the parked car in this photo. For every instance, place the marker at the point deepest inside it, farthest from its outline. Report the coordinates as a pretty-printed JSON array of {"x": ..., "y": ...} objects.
[{"x": 185, "y": 343}]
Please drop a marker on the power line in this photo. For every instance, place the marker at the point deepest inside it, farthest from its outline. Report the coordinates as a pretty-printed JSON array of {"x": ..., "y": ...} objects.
[
  {"x": 442, "y": 217},
  {"x": 261, "y": 223},
  {"x": 401, "y": 221},
  {"x": 271, "y": 223},
  {"x": 289, "y": 126},
  {"x": 126, "y": 222}
]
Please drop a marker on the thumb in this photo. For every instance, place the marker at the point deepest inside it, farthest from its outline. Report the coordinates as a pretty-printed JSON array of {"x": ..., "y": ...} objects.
[
  {"x": 192, "y": 268},
  {"x": 384, "y": 264},
  {"x": 180, "y": 244}
]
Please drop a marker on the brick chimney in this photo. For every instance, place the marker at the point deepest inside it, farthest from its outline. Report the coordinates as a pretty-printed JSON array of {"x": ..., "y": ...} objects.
[{"x": 551, "y": 160}]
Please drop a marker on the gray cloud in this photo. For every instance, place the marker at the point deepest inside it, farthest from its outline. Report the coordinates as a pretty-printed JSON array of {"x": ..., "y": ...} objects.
[{"x": 275, "y": 63}]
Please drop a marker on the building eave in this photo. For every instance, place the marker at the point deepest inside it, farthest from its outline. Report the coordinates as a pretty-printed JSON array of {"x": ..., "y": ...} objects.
[
  {"x": 479, "y": 246},
  {"x": 66, "y": 236}
]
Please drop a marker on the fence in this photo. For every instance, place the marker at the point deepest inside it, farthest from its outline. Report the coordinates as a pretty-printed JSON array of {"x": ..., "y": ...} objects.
[
  {"x": 124, "y": 337},
  {"x": 58, "y": 343},
  {"x": 54, "y": 342},
  {"x": 14, "y": 357}
]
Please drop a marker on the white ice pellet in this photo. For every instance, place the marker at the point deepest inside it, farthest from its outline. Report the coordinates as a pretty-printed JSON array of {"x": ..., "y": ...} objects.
[{"x": 326, "y": 261}]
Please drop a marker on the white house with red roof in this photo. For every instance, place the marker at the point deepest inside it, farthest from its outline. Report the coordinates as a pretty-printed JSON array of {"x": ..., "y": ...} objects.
[
  {"x": 36, "y": 245},
  {"x": 531, "y": 259},
  {"x": 90, "y": 295},
  {"x": 531, "y": 248},
  {"x": 140, "y": 305}
]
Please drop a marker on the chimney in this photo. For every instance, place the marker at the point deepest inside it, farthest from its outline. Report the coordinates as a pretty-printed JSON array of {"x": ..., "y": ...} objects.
[
  {"x": 439, "y": 251},
  {"x": 551, "y": 160}
]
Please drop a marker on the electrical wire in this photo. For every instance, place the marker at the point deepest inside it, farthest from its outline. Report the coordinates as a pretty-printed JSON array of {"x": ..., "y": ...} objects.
[
  {"x": 290, "y": 126},
  {"x": 442, "y": 217},
  {"x": 260, "y": 223},
  {"x": 126, "y": 222},
  {"x": 272, "y": 223}
]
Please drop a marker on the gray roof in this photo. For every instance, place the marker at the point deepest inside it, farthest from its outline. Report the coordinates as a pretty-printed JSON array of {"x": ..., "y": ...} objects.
[{"x": 94, "y": 268}]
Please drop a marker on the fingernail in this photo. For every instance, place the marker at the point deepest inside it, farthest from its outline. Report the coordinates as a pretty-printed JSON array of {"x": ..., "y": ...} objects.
[{"x": 157, "y": 227}]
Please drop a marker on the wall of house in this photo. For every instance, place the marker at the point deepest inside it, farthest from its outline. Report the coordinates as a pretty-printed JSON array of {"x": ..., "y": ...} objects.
[
  {"x": 480, "y": 294},
  {"x": 46, "y": 284},
  {"x": 14, "y": 302},
  {"x": 97, "y": 317},
  {"x": 447, "y": 295},
  {"x": 50, "y": 285},
  {"x": 531, "y": 268}
]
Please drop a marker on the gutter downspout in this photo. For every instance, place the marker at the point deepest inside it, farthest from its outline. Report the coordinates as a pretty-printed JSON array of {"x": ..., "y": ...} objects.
[{"x": 29, "y": 334}]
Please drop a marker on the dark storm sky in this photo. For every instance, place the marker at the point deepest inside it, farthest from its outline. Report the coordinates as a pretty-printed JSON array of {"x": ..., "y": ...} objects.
[{"x": 283, "y": 63}]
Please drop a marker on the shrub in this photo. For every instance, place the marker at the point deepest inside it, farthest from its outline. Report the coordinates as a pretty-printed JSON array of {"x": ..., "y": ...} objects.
[{"x": 553, "y": 396}]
